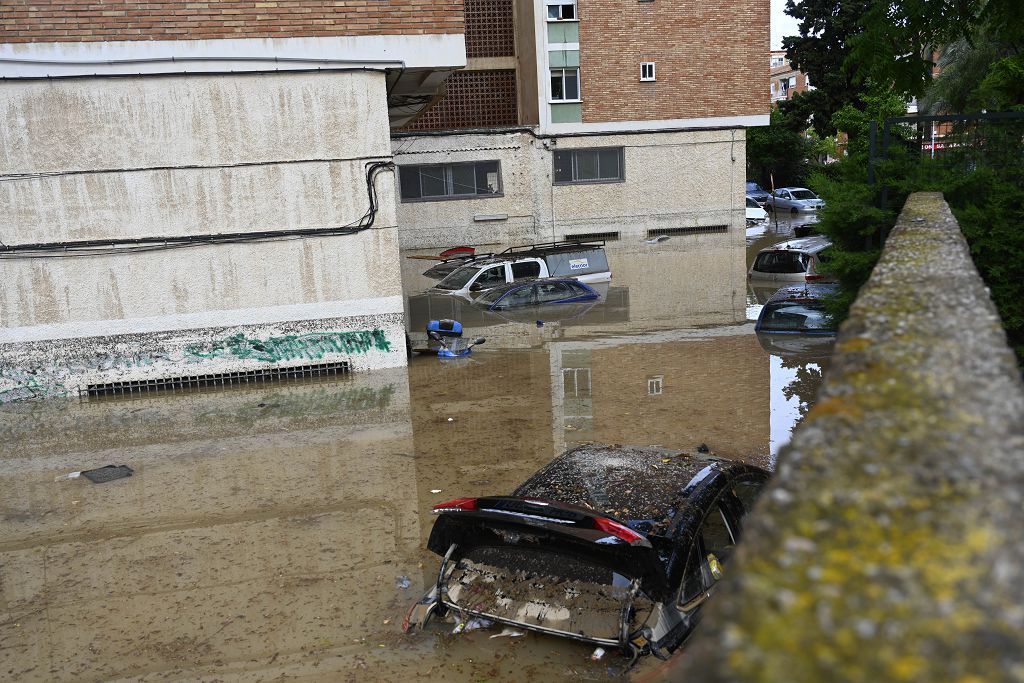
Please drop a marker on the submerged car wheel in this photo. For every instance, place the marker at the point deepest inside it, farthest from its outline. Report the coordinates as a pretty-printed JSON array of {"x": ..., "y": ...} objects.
[{"x": 793, "y": 211}]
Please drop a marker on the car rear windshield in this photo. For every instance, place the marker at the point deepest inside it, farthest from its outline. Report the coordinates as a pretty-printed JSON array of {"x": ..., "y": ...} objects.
[
  {"x": 546, "y": 590},
  {"x": 782, "y": 261},
  {"x": 793, "y": 315},
  {"x": 639, "y": 486},
  {"x": 803, "y": 194}
]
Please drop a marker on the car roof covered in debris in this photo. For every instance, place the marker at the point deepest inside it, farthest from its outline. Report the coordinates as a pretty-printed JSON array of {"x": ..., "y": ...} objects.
[{"x": 627, "y": 482}]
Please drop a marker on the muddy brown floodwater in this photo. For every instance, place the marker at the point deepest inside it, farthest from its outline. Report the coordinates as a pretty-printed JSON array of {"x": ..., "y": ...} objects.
[{"x": 267, "y": 532}]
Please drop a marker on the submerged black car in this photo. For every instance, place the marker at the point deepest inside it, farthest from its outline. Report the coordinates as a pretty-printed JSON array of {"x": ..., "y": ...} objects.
[{"x": 615, "y": 546}]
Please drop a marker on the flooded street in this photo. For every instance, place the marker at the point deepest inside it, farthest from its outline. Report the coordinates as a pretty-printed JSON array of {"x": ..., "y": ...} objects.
[{"x": 279, "y": 532}]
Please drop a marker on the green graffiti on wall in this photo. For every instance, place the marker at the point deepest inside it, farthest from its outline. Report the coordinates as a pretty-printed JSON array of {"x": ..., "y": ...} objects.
[{"x": 311, "y": 346}]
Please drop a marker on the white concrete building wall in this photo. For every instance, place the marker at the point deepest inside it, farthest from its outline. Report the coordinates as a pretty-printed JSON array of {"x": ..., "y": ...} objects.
[
  {"x": 174, "y": 156},
  {"x": 448, "y": 222},
  {"x": 676, "y": 179}
]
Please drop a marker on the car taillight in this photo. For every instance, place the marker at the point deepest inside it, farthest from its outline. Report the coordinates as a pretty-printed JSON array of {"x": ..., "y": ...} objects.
[
  {"x": 617, "y": 530},
  {"x": 811, "y": 278},
  {"x": 456, "y": 504}
]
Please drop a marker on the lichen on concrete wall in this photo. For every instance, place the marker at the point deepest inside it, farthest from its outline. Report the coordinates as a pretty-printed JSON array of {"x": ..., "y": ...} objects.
[{"x": 888, "y": 546}]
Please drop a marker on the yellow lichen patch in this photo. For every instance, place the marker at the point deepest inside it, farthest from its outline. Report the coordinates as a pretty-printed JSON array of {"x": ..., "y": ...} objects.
[
  {"x": 867, "y": 570},
  {"x": 855, "y": 345},
  {"x": 833, "y": 406}
]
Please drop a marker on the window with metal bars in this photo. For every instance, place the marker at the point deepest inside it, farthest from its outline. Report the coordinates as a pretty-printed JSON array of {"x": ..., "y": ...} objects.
[
  {"x": 475, "y": 179},
  {"x": 601, "y": 165}
]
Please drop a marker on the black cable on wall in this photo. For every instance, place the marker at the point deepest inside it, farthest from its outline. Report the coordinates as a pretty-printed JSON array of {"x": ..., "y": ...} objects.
[{"x": 136, "y": 245}]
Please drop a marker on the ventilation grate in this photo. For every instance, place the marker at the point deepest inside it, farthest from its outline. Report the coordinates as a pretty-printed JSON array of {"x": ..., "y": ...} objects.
[
  {"x": 693, "y": 230},
  {"x": 218, "y": 379},
  {"x": 583, "y": 236}
]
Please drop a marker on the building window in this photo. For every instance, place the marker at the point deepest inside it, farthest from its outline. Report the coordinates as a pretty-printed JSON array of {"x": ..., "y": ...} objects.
[
  {"x": 561, "y": 10},
  {"x": 647, "y": 71},
  {"x": 565, "y": 85},
  {"x": 450, "y": 181},
  {"x": 602, "y": 165},
  {"x": 654, "y": 385}
]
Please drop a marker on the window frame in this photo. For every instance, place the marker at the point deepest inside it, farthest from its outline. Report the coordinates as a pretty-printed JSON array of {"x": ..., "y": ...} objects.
[
  {"x": 560, "y": 4},
  {"x": 574, "y": 166},
  {"x": 654, "y": 72},
  {"x": 579, "y": 88},
  {"x": 447, "y": 167}
]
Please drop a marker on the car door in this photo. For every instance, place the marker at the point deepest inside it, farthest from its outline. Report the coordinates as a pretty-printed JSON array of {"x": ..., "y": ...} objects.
[
  {"x": 489, "y": 277},
  {"x": 714, "y": 543}
]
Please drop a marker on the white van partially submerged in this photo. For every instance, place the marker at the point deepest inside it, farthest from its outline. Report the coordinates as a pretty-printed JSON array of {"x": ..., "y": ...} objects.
[{"x": 585, "y": 261}]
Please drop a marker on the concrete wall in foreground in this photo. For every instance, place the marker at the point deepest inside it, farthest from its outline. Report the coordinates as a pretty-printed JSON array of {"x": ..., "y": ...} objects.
[
  {"x": 672, "y": 180},
  {"x": 888, "y": 545},
  {"x": 194, "y": 156}
]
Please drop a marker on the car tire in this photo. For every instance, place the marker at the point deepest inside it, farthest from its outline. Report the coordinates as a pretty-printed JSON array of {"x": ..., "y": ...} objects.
[{"x": 793, "y": 211}]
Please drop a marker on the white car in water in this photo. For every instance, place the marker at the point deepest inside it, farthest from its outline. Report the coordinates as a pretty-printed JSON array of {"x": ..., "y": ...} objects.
[
  {"x": 794, "y": 200},
  {"x": 755, "y": 213}
]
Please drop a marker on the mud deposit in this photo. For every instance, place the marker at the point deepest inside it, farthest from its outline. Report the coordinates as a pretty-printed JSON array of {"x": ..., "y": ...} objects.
[{"x": 267, "y": 532}]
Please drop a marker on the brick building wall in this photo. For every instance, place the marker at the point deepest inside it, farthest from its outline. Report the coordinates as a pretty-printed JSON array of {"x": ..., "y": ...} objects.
[
  {"x": 710, "y": 58},
  {"x": 92, "y": 20},
  {"x": 485, "y": 97}
]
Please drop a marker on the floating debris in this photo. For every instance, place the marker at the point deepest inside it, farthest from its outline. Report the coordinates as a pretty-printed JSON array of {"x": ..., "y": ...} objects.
[
  {"x": 508, "y": 632},
  {"x": 100, "y": 475},
  {"x": 657, "y": 240},
  {"x": 471, "y": 625},
  {"x": 402, "y": 582},
  {"x": 598, "y": 653}
]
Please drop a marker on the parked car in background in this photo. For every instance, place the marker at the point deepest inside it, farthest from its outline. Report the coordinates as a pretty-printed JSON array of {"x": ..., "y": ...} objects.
[
  {"x": 757, "y": 193},
  {"x": 796, "y": 260},
  {"x": 545, "y": 291},
  {"x": 797, "y": 309},
  {"x": 794, "y": 200},
  {"x": 754, "y": 211},
  {"x": 609, "y": 545},
  {"x": 585, "y": 261}
]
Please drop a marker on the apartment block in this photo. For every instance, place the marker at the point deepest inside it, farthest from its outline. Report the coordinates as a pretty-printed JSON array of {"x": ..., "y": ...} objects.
[
  {"x": 578, "y": 118},
  {"x": 784, "y": 80},
  {"x": 202, "y": 193}
]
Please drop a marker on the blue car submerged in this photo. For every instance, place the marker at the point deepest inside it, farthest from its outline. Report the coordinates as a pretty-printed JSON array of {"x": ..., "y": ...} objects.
[
  {"x": 543, "y": 292},
  {"x": 797, "y": 309}
]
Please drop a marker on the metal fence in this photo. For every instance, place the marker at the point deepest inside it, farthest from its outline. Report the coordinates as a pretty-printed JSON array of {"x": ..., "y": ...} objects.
[{"x": 938, "y": 144}]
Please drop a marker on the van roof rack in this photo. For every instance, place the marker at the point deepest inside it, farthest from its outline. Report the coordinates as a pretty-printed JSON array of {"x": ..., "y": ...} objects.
[{"x": 553, "y": 246}]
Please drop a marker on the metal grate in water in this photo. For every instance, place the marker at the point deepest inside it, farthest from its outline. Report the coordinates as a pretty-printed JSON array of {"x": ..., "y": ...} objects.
[
  {"x": 217, "y": 379},
  {"x": 693, "y": 230},
  {"x": 580, "y": 237}
]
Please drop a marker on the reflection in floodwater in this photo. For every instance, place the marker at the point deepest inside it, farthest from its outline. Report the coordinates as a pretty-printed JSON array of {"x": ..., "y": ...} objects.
[{"x": 278, "y": 531}]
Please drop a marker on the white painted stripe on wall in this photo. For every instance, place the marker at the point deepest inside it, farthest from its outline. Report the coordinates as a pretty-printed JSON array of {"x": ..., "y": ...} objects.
[
  {"x": 130, "y": 57},
  {"x": 664, "y": 124},
  {"x": 205, "y": 319}
]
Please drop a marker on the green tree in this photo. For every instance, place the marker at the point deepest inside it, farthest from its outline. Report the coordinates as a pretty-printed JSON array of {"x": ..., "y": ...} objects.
[
  {"x": 781, "y": 150},
  {"x": 820, "y": 51}
]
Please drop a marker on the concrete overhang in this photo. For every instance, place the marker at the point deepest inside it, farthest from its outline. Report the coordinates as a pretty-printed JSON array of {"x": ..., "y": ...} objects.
[{"x": 416, "y": 65}]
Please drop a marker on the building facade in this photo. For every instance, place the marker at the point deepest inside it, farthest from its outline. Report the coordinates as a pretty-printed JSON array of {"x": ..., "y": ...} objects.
[
  {"x": 197, "y": 193},
  {"x": 784, "y": 80},
  {"x": 580, "y": 118}
]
